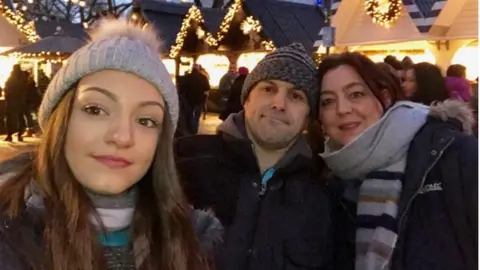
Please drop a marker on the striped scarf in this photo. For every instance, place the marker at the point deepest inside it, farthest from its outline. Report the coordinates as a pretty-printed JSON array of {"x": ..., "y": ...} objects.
[{"x": 378, "y": 158}]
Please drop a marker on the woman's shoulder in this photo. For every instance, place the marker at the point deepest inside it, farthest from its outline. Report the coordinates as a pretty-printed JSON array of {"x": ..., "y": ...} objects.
[{"x": 10, "y": 167}]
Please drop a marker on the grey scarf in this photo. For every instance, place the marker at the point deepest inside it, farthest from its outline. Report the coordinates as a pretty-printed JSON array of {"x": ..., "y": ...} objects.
[{"x": 378, "y": 158}]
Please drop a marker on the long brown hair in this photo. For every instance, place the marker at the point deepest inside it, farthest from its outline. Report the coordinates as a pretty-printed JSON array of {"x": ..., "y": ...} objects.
[{"x": 161, "y": 218}]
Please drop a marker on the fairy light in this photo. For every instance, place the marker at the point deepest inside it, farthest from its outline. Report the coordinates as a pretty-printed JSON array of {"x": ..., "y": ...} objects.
[
  {"x": 82, "y": 4},
  {"x": 227, "y": 20},
  {"x": 194, "y": 15},
  {"x": 18, "y": 20},
  {"x": 49, "y": 57},
  {"x": 384, "y": 12},
  {"x": 268, "y": 45},
  {"x": 250, "y": 25}
]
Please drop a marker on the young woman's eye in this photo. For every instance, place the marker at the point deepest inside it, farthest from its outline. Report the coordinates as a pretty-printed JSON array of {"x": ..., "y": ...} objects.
[
  {"x": 147, "y": 122},
  {"x": 94, "y": 110}
]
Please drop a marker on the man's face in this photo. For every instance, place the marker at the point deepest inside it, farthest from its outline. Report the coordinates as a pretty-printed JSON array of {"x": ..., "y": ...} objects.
[{"x": 276, "y": 113}]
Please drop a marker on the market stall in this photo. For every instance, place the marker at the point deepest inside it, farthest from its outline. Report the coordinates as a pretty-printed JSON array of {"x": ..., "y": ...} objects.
[{"x": 425, "y": 30}]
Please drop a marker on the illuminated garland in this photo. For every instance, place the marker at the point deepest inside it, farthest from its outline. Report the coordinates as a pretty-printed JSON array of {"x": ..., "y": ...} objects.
[
  {"x": 193, "y": 14},
  {"x": 17, "y": 20},
  {"x": 384, "y": 16},
  {"x": 227, "y": 20},
  {"x": 49, "y": 57},
  {"x": 268, "y": 45}
]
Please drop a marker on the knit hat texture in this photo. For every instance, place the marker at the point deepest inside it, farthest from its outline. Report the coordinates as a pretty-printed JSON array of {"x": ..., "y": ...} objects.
[
  {"x": 117, "y": 45},
  {"x": 290, "y": 64}
]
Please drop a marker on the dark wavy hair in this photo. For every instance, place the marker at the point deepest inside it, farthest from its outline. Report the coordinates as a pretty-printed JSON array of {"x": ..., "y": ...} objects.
[
  {"x": 375, "y": 77},
  {"x": 430, "y": 84},
  {"x": 161, "y": 220},
  {"x": 457, "y": 70}
]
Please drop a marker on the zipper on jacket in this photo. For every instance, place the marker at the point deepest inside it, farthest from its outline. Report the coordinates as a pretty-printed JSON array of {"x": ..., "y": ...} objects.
[
  {"x": 265, "y": 177},
  {"x": 424, "y": 178}
]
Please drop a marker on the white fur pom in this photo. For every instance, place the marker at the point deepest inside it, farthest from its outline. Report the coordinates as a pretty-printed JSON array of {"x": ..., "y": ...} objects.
[{"x": 111, "y": 28}]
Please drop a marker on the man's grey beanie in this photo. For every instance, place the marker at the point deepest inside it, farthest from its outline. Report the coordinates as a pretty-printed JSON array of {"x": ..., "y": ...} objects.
[
  {"x": 117, "y": 45},
  {"x": 291, "y": 64}
]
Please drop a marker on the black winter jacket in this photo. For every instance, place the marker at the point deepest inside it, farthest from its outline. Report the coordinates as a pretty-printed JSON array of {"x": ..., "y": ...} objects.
[
  {"x": 281, "y": 225},
  {"x": 438, "y": 209}
]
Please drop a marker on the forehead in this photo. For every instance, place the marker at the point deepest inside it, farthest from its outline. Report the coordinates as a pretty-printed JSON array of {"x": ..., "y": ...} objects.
[
  {"x": 341, "y": 77},
  {"x": 126, "y": 86}
]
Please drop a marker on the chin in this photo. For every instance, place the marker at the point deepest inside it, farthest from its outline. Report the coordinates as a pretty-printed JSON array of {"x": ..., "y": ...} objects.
[{"x": 109, "y": 189}]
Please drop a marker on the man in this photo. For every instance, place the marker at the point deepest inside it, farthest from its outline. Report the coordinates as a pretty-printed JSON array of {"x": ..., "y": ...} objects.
[
  {"x": 226, "y": 82},
  {"x": 257, "y": 173},
  {"x": 196, "y": 88}
]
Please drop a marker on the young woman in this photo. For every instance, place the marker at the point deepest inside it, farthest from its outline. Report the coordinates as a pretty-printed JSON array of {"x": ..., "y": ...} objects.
[
  {"x": 406, "y": 174},
  {"x": 100, "y": 190},
  {"x": 424, "y": 83}
]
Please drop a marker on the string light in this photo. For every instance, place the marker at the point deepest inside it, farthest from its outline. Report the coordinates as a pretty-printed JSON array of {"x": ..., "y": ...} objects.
[
  {"x": 384, "y": 12},
  {"x": 227, "y": 20},
  {"x": 18, "y": 20},
  {"x": 49, "y": 57},
  {"x": 82, "y": 4},
  {"x": 249, "y": 25},
  {"x": 268, "y": 45},
  {"x": 194, "y": 15}
]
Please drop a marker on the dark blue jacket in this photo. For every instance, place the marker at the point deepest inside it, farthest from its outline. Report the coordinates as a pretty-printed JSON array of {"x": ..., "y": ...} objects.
[
  {"x": 280, "y": 225},
  {"x": 438, "y": 209}
]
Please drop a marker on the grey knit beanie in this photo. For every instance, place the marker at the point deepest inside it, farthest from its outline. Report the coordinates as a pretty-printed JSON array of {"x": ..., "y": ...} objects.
[
  {"x": 118, "y": 45},
  {"x": 290, "y": 64}
]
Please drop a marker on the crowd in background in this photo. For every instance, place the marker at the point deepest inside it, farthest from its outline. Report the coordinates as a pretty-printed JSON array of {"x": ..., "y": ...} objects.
[{"x": 22, "y": 98}]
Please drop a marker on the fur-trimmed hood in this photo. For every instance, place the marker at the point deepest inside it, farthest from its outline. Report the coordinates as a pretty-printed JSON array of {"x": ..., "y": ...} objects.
[{"x": 452, "y": 109}]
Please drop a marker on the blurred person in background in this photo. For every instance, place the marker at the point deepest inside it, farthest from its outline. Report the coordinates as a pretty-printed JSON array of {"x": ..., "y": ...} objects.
[
  {"x": 195, "y": 87},
  {"x": 407, "y": 62},
  {"x": 396, "y": 64},
  {"x": 457, "y": 82},
  {"x": 234, "y": 103},
  {"x": 424, "y": 83},
  {"x": 226, "y": 82},
  {"x": 15, "y": 98}
]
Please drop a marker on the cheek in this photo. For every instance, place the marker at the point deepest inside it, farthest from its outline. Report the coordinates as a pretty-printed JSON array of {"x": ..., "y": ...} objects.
[
  {"x": 145, "y": 147},
  {"x": 373, "y": 112},
  {"x": 327, "y": 118}
]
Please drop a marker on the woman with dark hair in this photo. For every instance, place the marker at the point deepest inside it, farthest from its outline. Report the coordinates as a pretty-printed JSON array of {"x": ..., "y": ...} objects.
[
  {"x": 457, "y": 83},
  {"x": 100, "y": 190},
  {"x": 406, "y": 175},
  {"x": 424, "y": 83}
]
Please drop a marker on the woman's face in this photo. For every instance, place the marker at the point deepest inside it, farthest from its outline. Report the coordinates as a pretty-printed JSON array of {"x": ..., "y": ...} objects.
[
  {"x": 347, "y": 106},
  {"x": 410, "y": 83},
  {"x": 113, "y": 130}
]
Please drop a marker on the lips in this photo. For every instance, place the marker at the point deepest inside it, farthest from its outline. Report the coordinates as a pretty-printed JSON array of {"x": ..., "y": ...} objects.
[
  {"x": 276, "y": 120},
  {"x": 349, "y": 126},
  {"x": 113, "y": 161}
]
